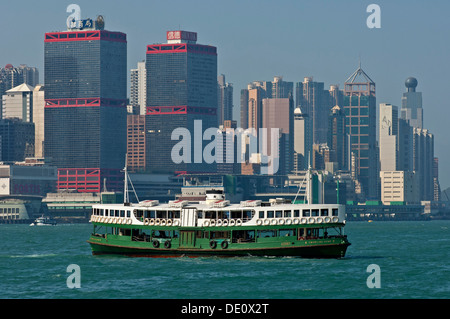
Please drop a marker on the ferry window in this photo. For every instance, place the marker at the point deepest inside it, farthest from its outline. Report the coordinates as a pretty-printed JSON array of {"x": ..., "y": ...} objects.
[
  {"x": 116, "y": 213},
  {"x": 151, "y": 214},
  {"x": 334, "y": 212},
  {"x": 278, "y": 213},
  {"x": 199, "y": 214},
  {"x": 236, "y": 214},
  {"x": 122, "y": 213},
  {"x": 210, "y": 214},
  {"x": 161, "y": 214},
  {"x": 176, "y": 214},
  {"x": 287, "y": 213},
  {"x": 314, "y": 212},
  {"x": 296, "y": 213},
  {"x": 101, "y": 212},
  {"x": 261, "y": 214},
  {"x": 106, "y": 212},
  {"x": 287, "y": 232},
  {"x": 267, "y": 233},
  {"x": 306, "y": 213},
  {"x": 226, "y": 214},
  {"x": 324, "y": 212},
  {"x": 139, "y": 213},
  {"x": 248, "y": 214},
  {"x": 128, "y": 214},
  {"x": 171, "y": 213},
  {"x": 270, "y": 214}
]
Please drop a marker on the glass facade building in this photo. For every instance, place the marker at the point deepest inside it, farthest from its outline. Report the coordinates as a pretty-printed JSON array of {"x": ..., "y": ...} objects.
[
  {"x": 85, "y": 112},
  {"x": 181, "y": 89}
]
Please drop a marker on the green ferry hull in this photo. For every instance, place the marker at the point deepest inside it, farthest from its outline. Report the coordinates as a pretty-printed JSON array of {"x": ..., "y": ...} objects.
[{"x": 313, "y": 250}]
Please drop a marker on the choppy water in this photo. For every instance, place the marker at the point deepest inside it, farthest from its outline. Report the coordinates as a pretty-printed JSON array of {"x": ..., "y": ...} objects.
[{"x": 414, "y": 261}]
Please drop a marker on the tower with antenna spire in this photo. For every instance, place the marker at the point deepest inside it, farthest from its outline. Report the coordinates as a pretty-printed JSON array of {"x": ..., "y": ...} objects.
[{"x": 360, "y": 111}]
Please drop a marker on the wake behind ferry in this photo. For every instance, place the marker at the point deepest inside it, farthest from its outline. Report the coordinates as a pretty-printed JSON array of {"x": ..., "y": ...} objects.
[{"x": 215, "y": 227}]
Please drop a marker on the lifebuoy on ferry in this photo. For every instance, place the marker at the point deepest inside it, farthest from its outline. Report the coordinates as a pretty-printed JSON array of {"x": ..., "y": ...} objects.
[
  {"x": 151, "y": 222},
  {"x": 163, "y": 222},
  {"x": 129, "y": 221},
  {"x": 311, "y": 220},
  {"x": 273, "y": 221},
  {"x": 206, "y": 223},
  {"x": 303, "y": 220},
  {"x": 176, "y": 222},
  {"x": 259, "y": 222},
  {"x": 232, "y": 222},
  {"x": 219, "y": 222},
  {"x": 327, "y": 219},
  {"x": 225, "y": 222},
  {"x": 146, "y": 221},
  {"x": 157, "y": 221},
  {"x": 238, "y": 222},
  {"x": 224, "y": 244},
  {"x": 335, "y": 219},
  {"x": 167, "y": 244},
  {"x": 155, "y": 243},
  {"x": 169, "y": 222},
  {"x": 281, "y": 221},
  {"x": 213, "y": 222},
  {"x": 212, "y": 244},
  {"x": 266, "y": 221},
  {"x": 319, "y": 220},
  {"x": 296, "y": 221},
  {"x": 288, "y": 221}
]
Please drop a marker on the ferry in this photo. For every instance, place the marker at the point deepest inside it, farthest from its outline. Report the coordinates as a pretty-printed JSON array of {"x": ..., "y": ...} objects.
[{"x": 215, "y": 227}]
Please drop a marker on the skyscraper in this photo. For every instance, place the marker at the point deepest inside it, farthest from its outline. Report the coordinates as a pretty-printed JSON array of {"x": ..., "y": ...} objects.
[
  {"x": 181, "y": 93},
  {"x": 85, "y": 112},
  {"x": 360, "y": 112},
  {"x": 337, "y": 138},
  {"x": 412, "y": 110},
  {"x": 388, "y": 135},
  {"x": 138, "y": 87},
  {"x": 302, "y": 140},
  {"x": 225, "y": 102}
]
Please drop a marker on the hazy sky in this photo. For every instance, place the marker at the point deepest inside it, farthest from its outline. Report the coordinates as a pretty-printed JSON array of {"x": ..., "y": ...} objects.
[{"x": 258, "y": 40}]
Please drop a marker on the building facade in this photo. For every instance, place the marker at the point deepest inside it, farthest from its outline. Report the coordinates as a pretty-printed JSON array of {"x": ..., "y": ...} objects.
[
  {"x": 360, "y": 113},
  {"x": 138, "y": 88},
  {"x": 85, "y": 111},
  {"x": 181, "y": 93},
  {"x": 225, "y": 102},
  {"x": 412, "y": 110}
]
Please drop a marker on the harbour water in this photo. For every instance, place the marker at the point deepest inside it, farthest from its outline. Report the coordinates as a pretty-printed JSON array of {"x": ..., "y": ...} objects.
[{"x": 413, "y": 259}]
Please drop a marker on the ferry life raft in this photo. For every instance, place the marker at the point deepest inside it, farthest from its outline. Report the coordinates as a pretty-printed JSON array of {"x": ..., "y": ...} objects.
[{"x": 217, "y": 228}]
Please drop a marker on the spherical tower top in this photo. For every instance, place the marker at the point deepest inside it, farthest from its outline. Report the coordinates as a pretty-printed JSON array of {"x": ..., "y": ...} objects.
[{"x": 411, "y": 83}]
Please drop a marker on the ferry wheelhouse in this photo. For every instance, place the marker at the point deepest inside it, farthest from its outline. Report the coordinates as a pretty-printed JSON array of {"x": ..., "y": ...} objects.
[{"x": 216, "y": 227}]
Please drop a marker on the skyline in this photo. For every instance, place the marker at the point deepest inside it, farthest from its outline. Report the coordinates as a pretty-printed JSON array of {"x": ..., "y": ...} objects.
[{"x": 321, "y": 39}]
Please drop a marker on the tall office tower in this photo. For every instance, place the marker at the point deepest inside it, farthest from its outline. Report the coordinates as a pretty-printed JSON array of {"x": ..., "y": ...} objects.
[
  {"x": 388, "y": 137},
  {"x": 360, "y": 112},
  {"x": 226, "y": 153},
  {"x": 39, "y": 120},
  {"x": 16, "y": 140},
  {"x": 423, "y": 159},
  {"x": 251, "y": 103},
  {"x": 282, "y": 89},
  {"x": 244, "y": 109},
  {"x": 225, "y": 102},
  {"x": 437, "y": 187},
  {"x": 311, "y": 97},
  {"x": 337, "y": 138},
  {"x": 412, "y": 110},
  {"x": 136, "y": 143},
  {"x": 86, "y": 99},
  {"x": 278, "y": 114},
  {"x": 335, "y": 96},
  {"x": 181, "y": 93},
  {"x": 302, "y": 140},
  {"x": 138, "y": 88},
  {"x": 405, "y": 146}
]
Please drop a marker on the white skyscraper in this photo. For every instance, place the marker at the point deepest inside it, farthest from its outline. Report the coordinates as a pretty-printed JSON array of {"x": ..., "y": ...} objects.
[{"x": 138, "y": 89}]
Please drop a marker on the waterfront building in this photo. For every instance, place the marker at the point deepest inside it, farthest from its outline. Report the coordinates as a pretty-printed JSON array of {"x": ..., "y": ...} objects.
[
  {"x": 86, "y": 100},
  {"x": 360, "y": 113},
  {"x": 181, "y": 90},
  {"x": 423, "y": 161},
  {"x": 136, "y": 138},
  {"x": 16, "y": 140},
  {"x": 399, "y": 187},
  {"x": 388, "y": 134},
  {"x": 412, "y": 110}
]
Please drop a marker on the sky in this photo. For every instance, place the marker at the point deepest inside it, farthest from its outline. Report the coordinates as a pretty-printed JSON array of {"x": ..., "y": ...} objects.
[{"x": 257, "y": 40}]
